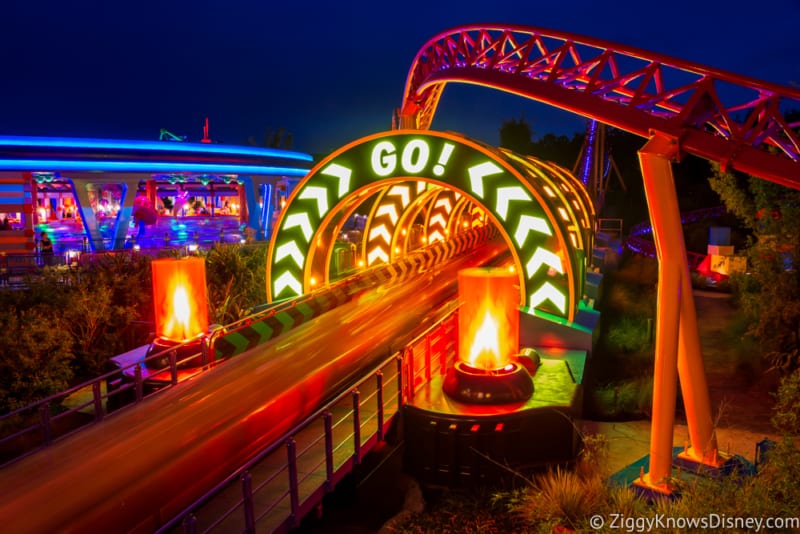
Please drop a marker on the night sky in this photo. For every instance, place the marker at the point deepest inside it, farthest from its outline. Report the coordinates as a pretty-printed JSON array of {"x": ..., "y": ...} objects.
[{"x": 328, "y": 72}]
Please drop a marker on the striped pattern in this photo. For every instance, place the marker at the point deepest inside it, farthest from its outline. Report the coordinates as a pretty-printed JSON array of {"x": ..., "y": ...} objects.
[
  {"x": 275, "y": 322},
  {"x": 15, "y": 197}
]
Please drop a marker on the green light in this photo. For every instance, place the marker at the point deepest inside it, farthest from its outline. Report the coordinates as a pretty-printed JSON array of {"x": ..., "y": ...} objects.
[
  {"x": 292, "y": 250},
  {"x": 548, "y": 292},
  {"x": 342, "y": 173},
  {"x": 506, "y": 194},
  {"x": 301, "y": 220},
  {"x": 383, "y": 158},
  {"x": 527, "y": 224},
  {"x": 320, "y": 194},
  {"x": 415, "y": 156},
  {"x": 543, "y": 257},
  {"x": 478, "y": 172},
  {"x": 287, "y": 280}
]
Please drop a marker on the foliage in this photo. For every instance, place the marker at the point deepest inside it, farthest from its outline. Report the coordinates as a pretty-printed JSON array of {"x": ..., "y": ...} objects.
[
  {"x": 36, "y": 355},
  {"x": 561, "y": 498},
  {"x": 103, "y": 307},
  {"x": 624, "y": 399},
  {"x": 787, "y": 407},
  {"x": 517, "y": 136},
  {"x": 454, "y": 513},
  {"x": 236, "y": 280},
  {"x": 630, "y": 334},
  {"x": 769, "y": 294}
]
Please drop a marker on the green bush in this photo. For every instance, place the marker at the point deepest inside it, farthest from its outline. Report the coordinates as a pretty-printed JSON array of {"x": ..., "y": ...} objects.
[
  {"x": 236, "y": 280},
  {"x": 622, "y": 400},
  {"x": 36, "y": 356},
  {"x": 630, "y": 334}
]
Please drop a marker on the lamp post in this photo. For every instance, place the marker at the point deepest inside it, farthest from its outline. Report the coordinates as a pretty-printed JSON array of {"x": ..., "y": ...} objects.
[
  {"x": 180, "y": 299},
  {"x": 488, "y": 370}
]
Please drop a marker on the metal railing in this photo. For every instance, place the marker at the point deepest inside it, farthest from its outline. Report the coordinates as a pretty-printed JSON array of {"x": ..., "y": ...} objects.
[
  {"x": 31, "y": 428},
  {"x": 36, "y": 426},
  {"x": 287, "y": 480}
]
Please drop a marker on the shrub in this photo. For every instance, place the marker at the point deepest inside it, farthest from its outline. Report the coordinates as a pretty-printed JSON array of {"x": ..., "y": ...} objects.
[
  {"x": 630, "y": 334},
  {"x": 36, "y": 356},
  {"x": 236, "y": 280}
]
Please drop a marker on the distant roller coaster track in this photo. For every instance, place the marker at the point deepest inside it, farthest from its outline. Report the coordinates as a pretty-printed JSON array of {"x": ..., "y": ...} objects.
[{"x": 731, "y": 119}]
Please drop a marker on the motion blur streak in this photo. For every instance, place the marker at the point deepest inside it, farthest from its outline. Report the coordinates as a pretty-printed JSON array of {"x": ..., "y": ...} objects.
[{"x": 139, "y": 468}]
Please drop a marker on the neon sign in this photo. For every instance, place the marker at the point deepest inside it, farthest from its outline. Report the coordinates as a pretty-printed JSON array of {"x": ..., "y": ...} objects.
[{"x": 530, "y": 220}]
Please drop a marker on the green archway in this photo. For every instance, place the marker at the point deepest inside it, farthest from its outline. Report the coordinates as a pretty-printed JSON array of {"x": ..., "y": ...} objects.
[{"x": 537, "y": 223}]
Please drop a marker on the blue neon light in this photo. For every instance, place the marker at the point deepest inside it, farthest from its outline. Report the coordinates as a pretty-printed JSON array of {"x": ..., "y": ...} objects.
[
  {"x": 152, "y": 167},
  {"x": 266, "y": 206},
  {"x": 162, "y": 146}
]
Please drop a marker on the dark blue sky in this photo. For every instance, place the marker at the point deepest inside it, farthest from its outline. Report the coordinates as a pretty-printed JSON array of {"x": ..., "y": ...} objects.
[{"x": 328, "y": 72}]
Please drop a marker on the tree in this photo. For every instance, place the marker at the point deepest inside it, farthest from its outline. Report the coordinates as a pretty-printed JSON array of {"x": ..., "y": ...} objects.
[
  {"x": 36, "y": 358},
  {"x": 769, "y": 294},
  {"x": 517, "y": 136}
]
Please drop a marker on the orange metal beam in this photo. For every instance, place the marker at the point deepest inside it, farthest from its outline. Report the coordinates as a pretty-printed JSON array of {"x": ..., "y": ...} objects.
[{"x": 677, "y": 345}]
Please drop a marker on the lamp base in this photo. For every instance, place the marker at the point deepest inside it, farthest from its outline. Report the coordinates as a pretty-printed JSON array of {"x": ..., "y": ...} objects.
[
  {"x": 467, "y": 384},
  {"x": 187, "y": 354}
]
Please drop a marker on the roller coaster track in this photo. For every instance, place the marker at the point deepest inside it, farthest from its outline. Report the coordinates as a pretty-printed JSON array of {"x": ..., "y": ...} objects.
[
  {"x": 640, "y": 238},
  {"x": 731, "y": 119}
]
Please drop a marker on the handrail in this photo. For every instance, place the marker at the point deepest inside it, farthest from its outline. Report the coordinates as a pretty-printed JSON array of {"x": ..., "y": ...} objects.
[
  {"x": 429, "y": 352},
  {"x": 165, "y": 375}
]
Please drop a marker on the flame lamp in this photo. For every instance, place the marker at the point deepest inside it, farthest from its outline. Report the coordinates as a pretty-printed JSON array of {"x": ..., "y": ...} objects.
[
  {"x": 180, "y": 300},
  {"x": 488, "y": 370}
]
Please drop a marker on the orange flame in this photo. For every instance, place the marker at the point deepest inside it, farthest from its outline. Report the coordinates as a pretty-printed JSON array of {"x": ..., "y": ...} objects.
[
  {"x": 488, "y": 318},
  {"x": 484, "y": 352},
  {"x": 180, "y": 298}
]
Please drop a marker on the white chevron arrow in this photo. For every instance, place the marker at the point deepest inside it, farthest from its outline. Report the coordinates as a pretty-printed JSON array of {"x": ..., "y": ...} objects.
[
  {"x": 548, "y": 292},
  {"x": 318, "y": 193},
  {"x": 478, "y": 172},
  {"x": 435, "y": 236},
  {"x": 506, "y": 195},
  {"x": 340, "y": 172},
  {"x": 387, "y": 209},
  {"x": 402, "y": 191},
  {"x": 438, "y": 218},
  {"x": 529, "y": 223},
  {"x": 543, "y": 257},
  {"x": 378, "y": 253},
  {"x": 289, "y": 249},
  {"x": 381, "y": 231},
  {"x": 301, "y": 220},
  {"x": 287, "y": 280},
  {"x": 443, "y": 202}
]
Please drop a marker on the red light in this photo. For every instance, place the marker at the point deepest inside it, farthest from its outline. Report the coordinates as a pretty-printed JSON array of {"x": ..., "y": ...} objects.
[
  {"x": 180, "y": 298},
  {"x": 488, "y": 319}
]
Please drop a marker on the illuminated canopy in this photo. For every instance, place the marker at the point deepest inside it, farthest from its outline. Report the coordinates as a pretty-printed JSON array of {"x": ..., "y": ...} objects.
[{"x": 539, "y": 209}]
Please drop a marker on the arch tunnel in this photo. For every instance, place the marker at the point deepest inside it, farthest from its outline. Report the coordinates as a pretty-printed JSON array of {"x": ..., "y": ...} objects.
[{"x": 414, "y": 188}]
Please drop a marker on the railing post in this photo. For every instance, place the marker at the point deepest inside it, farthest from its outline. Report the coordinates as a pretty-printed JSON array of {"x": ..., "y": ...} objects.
[
  {"x": 189, "y": 524},
  {"x": 428, "y": 357},
  {"x": 97, "y": 396},
  {"x": 356, "y": 427},
  {"x": 327, "y": 420},
  {"x": 44, "y": 417},
  {"x": 401, "y": 399},
  {"x": 247, "y": 503},
  {"x": 411, "y": 381},
  {"x": 379, "y": 378},
  {"x": 173, "y": 366},
  {"x": 294, "y": 498},
  {"x": 138, "y": 382},
  {"x": 204, "y": 350}
]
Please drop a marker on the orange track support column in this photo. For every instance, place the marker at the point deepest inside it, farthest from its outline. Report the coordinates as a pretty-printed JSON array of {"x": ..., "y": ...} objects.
[{"x": 677, "y": 345}]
